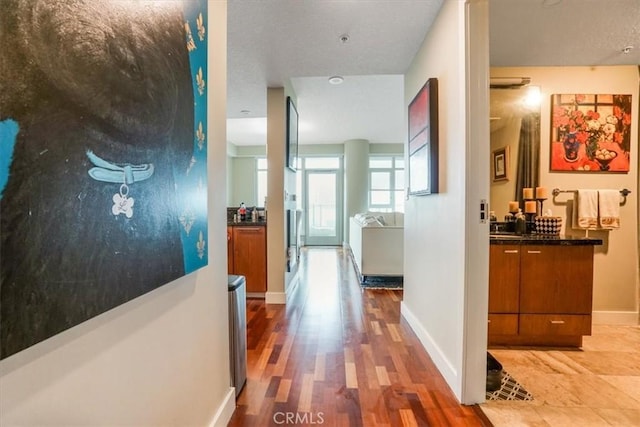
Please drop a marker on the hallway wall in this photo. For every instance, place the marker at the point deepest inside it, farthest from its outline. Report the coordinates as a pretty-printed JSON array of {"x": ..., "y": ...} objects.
[
  {"x": 446, "y": 248},
  {"x": 160, "y": 359}
]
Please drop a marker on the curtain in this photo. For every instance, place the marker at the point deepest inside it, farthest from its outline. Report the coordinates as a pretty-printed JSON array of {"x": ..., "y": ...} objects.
[{"x": 528, "y": 166}]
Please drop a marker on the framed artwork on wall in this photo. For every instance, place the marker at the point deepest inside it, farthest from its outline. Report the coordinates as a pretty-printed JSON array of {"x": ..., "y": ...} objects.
[
  {"x": 117, "y": 198},
  {"x": 292, "y": 134},
  {"x": 423, "y": 140},
  {"x": 500, "y": 164},
  {"x": 590, "y": 133}
]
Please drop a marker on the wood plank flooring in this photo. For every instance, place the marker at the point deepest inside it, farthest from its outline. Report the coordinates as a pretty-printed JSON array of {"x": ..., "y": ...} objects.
[{"x": 338, "y": 355}]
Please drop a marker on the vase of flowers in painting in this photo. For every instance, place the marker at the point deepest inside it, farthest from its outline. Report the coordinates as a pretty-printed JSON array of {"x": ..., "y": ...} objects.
[{"x": 571, "y": 145}]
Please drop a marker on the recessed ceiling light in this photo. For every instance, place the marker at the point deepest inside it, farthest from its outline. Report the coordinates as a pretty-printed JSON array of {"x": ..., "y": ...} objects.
[
  {"x": 245, "y": 112},
  {"x": 336, "y": 80},
  {"x": 627, "y": 49}
]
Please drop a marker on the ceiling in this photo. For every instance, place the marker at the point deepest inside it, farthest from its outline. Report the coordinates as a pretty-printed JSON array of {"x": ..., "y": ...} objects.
[{"x": 278, "y": 42}]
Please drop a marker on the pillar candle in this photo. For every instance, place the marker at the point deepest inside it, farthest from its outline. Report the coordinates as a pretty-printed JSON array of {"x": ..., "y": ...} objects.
[
  {"x": 513, "y": 207},
  {"x": 527, "y": 193},
  {"x": 530, "y": 206},
  {"x": 541, "y": 193}
]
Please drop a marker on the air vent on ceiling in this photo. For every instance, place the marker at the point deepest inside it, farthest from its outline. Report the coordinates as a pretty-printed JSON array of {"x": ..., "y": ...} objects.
[{"x": 508, "y": 82}]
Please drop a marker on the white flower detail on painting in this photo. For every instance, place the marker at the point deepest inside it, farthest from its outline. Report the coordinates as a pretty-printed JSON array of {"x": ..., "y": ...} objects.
[
  {"x": 187, "y": 219},
  {"x": 200, "y": 23},
  {"x": 200, "y": 136},
  {"x": 191, "y": 44},
  {"x": 200, "y": 245},
  {"x": 122, "y": 205},
  {"x": 200, "y": 81}
]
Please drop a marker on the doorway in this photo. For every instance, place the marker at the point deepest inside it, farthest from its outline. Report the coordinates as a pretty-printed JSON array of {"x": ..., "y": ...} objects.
[{"x": 323, "y": 201}]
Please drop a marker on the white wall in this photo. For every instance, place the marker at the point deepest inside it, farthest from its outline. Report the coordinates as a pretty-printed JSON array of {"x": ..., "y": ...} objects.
[
  {"x": 446, "y": 249},
  {"x": 161, "y": 359},
  {"x": 616, "y": 283},
  {"x": 356, "y": 181}
]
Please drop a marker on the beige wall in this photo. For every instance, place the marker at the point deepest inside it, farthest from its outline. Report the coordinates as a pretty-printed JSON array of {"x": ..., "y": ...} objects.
[
  {"x": 161, "y": 359},
  {"x": 615, "y": 298}
]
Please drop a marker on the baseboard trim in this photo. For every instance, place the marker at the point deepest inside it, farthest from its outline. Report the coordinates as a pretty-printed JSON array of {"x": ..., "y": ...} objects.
[
  {"x": 629, "y": 318},
  {"x": 225, "y": 410},
  {"x": 445, "y": 367},
  {"x": 275, "y": 298}
]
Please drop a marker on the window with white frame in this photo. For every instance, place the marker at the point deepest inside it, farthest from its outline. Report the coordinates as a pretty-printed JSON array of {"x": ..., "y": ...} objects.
[
  {"x": 386, "y": 183},
  {"x": 261, "y": 181}
]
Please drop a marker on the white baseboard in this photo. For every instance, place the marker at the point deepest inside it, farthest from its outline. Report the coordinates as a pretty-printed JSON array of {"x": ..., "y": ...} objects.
[
  {"x": 225, "y": 410},
  {"x": 629, "y": 318},
  {"x": 445, "y": 367},
  {"x": 275, "y": 298}
]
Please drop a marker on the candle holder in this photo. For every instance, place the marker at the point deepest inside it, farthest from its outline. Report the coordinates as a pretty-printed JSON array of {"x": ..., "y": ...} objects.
[
  {"x": 531, "y": 224},
  {"x": 541, "y": 202}
]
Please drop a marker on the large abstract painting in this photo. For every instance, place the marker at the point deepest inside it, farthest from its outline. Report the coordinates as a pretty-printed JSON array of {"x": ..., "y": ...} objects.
[
  {"x": 103, "y": 151},
  {"x": 423, "y": 140}
]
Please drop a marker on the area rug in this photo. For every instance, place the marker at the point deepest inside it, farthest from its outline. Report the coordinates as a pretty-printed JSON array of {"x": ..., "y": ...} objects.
[
  {"x": 510, "y": 389},
  {"x": 379, "y": 282}
]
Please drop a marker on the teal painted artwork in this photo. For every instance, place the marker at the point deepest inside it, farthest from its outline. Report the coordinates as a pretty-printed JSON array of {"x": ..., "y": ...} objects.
[{"x": 103, "y": 157}]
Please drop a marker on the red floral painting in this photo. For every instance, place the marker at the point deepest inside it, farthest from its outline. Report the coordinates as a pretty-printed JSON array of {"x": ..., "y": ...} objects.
[{"x": 590, "y": 133}]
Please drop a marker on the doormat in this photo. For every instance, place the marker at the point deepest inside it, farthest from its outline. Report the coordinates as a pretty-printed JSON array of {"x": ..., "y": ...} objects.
[
  {"x": 509, "y": 389},
  {"x": 380, "y": 282}
]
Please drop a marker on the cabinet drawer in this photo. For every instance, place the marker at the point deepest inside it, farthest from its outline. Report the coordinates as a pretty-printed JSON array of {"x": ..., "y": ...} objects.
[
  {"x": 503, "y": 324},
  {"x": 555, "y": 324}
]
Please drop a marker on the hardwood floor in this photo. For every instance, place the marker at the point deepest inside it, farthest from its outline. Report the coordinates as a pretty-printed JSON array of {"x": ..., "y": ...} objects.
[
  {"x": 598, "y": 385},
  {"x": 339, "y": 355}
]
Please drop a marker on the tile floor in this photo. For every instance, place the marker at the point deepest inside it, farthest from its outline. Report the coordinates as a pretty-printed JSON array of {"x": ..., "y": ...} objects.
[{"x": 598, "y": 385}]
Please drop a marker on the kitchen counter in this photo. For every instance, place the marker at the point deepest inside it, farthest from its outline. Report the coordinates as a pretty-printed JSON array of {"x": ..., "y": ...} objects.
[
  {"x": 246, "y": 224},
  {"x": 540, "y": 239}
]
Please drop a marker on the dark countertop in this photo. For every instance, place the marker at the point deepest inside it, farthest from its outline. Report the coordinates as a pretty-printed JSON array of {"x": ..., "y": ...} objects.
[
  {"x": 247, "y": 224},
  {"x": 539, "y": 239}
]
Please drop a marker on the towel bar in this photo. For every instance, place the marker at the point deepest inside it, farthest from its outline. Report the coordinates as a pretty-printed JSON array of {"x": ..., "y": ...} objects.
[{"x": 624, "y": 192}]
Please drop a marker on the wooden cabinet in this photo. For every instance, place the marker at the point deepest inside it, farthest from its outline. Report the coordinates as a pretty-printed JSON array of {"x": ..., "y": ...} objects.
[
  {"x": 504, "y": 289},
  {"x": 540, "y": 294},
  {"x": 556, "y": 279},
  {"x": 230, "y": 250},
  {"x": 249, "y": 255}
]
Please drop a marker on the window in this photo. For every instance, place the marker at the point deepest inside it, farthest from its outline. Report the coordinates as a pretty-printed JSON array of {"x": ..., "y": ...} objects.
[
  {"x": 386, "y": 184},
  {"x": 261, "y": 178}
]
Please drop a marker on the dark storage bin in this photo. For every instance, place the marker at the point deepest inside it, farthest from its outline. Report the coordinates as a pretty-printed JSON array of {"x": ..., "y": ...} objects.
[{"x": 494, "y": 373}]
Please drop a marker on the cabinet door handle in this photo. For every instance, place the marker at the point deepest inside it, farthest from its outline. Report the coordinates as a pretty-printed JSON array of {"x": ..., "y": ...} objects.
[
  {"x": 252, "y": 229},
  {"x": 557, "y": 322},
  {"x": 511, "y": 251},
  {"x": 534, "y": 252}
]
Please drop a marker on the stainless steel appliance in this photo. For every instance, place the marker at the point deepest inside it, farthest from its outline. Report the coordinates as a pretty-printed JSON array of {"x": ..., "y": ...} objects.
[{"x": 237, "y": 331}]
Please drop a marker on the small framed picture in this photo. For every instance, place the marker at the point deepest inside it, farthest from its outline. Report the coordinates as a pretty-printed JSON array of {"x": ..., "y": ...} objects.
[{"x": 500, "y": 159}]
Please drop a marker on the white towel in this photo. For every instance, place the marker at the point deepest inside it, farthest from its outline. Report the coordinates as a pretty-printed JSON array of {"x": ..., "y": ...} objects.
[
  {"x": 609, "y": 209},
  {"x": 586, "y": 206}
]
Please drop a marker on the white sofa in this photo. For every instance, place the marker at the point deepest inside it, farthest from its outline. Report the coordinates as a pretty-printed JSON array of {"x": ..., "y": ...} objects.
[{"x": 376, "y": 240}]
